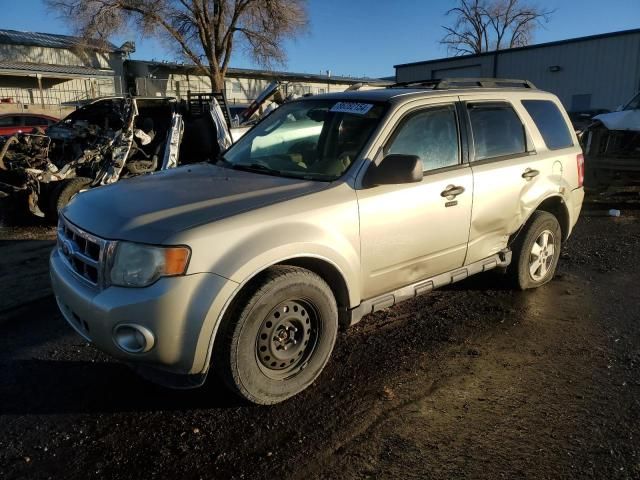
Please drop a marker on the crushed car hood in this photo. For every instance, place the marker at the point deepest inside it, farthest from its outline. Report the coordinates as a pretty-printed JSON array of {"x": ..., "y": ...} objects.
[
  {"x": 151, "y": 208},
  {"x": 624, "y": 120}
]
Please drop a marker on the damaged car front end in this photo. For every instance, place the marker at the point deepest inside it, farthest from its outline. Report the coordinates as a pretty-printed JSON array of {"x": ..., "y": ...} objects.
[
  {"x": 103, "y": 142},
  {"x": 612, "y": 147},
  {"x": 24, "y": 165}
]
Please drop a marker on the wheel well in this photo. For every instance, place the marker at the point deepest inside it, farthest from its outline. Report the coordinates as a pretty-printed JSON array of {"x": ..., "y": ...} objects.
[
  {"x": 325, "y": 270},
  {"x": 556, "y": 207},
  {"x": 328, "y": 272}
]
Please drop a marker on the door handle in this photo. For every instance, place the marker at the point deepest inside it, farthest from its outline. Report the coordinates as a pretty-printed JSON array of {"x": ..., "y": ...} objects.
[
  {"x": 529, "y": 173},
  {"x": 451, "y": 192}
]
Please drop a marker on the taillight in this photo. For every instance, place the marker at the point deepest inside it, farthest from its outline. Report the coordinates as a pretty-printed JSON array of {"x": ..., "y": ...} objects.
[{"x": 580, "y": 162}]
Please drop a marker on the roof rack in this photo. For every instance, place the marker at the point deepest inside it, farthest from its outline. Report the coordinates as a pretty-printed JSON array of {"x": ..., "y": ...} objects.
[{"x": 449, "y": 83}]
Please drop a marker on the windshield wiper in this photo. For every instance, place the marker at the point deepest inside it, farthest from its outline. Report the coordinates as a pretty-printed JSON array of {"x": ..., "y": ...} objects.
[{"x": 256, "y": 167}]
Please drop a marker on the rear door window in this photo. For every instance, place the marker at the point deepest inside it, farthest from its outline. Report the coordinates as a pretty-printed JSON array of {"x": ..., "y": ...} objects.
[
  {"x": 550, "y": 123},
  {"x": 497, "y": 130}
]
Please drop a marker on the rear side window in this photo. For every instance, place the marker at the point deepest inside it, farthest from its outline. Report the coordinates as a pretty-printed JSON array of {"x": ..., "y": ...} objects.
[
  {"x": 497, "y": 130},
  {"x": 550, "y": 123},
  {"x": 431, "y": 134},
  {"x": 35, "y": 121}
]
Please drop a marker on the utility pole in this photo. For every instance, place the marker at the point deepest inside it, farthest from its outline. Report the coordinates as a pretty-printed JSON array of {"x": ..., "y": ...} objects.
[{"x": 328, "y": 81}]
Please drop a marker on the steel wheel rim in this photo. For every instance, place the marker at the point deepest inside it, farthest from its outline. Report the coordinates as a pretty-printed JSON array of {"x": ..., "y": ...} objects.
[
  {"x": 542, "y": 255},
  {"x": 287, "y": 339}
]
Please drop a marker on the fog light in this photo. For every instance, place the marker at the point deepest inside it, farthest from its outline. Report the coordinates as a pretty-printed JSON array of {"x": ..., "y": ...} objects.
[{"x": 133, "y": 338}]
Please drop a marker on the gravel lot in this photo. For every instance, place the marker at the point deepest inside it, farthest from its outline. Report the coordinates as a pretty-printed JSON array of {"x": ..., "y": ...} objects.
[{"x": 474, "y": 381}]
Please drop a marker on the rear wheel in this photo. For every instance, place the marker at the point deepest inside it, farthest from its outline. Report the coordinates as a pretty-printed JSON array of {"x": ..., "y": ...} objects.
[
  {"x": 279, "y": 335},
  {"x": 536, "y": 252}
]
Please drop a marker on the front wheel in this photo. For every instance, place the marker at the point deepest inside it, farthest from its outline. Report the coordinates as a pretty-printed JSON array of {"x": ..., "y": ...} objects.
[
  {"x": 278, "y": 336},
  {"x": 536, "y": 252},
  {"x": 62, "y": 194}
]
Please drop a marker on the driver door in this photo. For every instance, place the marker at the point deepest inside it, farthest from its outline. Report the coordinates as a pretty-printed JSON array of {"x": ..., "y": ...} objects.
[{"x": 411, "y": 232}]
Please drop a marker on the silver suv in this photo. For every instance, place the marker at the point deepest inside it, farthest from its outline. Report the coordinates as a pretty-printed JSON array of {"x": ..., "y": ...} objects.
[{"x": 332, "y": 207}]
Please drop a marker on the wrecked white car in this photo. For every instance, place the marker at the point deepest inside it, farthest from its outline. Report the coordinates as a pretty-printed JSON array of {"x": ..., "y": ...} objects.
[
  {"x": 612, "y": 146},
  {"x": 108, "y": 140}
]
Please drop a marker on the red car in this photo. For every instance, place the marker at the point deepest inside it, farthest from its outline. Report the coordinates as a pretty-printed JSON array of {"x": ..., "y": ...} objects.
[{"x": 11, "y": 123}]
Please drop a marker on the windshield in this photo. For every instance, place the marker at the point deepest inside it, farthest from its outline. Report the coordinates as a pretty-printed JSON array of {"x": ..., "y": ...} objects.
[
  {"x": 312, "y": 139},
  {"x": 108, "y": 114},
  {"x": 634, "y": 104}
]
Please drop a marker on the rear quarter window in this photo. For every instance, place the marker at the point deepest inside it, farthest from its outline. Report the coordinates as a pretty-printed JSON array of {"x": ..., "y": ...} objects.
[{"x": 550, "y": 122}]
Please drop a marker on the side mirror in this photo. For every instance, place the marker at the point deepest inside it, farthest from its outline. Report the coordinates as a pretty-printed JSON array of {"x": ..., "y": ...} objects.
[{"x": 394, "y": 169}]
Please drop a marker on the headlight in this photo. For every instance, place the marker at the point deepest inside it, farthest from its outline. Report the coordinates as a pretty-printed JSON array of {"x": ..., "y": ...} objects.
[{"x": 136, "y": 265}]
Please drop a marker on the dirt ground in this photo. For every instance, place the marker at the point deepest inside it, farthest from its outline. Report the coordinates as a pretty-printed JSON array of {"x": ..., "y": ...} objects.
[{"x": 473, "y": 381}]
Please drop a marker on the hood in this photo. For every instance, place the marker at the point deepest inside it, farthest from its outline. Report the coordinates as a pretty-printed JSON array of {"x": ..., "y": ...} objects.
[
  {"x": 624, "y": 120},
  {"x": 151, "y": 208},
  {"x": 267, "y": 94}
]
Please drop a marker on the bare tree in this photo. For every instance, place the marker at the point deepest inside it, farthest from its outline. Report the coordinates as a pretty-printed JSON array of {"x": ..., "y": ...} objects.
[
  {"x": 484, "y": 25},
  {"x": 469, "y": 33},
  {"x": 206, "y": 32}
]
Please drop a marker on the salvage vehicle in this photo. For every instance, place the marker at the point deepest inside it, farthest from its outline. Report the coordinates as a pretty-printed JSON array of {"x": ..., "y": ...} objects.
[
  {"x": 108, "y": 140},
  {"x": 248, "y": 265},
  {"x": 611, "y": 145},
  {"x": 584, "y": 118}
]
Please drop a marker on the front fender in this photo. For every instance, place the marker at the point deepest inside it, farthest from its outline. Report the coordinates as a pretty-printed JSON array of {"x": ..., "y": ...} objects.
[
  {"x": 323, "y": 225},
  {"x": 248, "y": 258}
]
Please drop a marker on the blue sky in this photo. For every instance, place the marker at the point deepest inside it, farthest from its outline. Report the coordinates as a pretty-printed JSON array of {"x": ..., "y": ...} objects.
[{"x": 367, "y": 37}]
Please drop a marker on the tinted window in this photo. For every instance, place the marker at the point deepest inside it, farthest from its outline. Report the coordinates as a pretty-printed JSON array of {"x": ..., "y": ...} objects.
[
  {"x": 35, "y": 121},
  {"x": 497, "y": 130},
  {"x": 9, "y": 121},
  {"x": 550, "y": 123},
  {"x": 430, "y": 134}
]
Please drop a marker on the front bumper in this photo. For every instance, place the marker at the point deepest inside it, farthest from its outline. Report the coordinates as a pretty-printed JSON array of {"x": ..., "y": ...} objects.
[{"x": 181, "y": 312}]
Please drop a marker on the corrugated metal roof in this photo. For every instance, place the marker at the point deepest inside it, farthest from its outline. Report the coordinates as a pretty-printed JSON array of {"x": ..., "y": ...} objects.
[
  {"x": 297, "y": 76},
  {"x": 269, "y": 74},
  {"x": 24, "y": 68},
  {"x": 51, "y": 40}
]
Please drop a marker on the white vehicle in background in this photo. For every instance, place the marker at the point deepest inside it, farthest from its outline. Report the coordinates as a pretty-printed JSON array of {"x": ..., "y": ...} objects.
[{"x": 612, "y": 147}]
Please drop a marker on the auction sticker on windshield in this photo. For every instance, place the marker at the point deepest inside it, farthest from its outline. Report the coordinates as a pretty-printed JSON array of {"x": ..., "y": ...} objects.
[{"x": 352, "y": 107}]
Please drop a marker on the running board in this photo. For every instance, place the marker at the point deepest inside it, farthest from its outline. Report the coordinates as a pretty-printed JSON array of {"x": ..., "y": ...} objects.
[{"x": 501, "y": 259}]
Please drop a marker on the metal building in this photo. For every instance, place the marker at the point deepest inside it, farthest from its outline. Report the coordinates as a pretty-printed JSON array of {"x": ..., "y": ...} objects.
[
  {"x": 41, "y": 70},
  {"x": 50, "y": 73},
  {"x": 242, "y": 85},
  {"x": 586, "y": 73}
]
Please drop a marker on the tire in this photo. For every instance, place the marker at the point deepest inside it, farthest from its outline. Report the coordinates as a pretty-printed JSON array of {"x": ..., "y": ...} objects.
[
  {"x": 277, "y": 336},
  {"x": 62, "y": 194},
  {"x": 542, "y": 234}
]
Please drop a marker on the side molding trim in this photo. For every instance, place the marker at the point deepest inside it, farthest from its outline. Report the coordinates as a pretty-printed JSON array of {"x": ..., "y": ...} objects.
[{"x": 386, "y": 300}]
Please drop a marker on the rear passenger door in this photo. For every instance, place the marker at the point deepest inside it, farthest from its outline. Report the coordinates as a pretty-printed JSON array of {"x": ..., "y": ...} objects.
[
  {"x": 510, "y": 178},
  {"x": 413, "y": 231}
]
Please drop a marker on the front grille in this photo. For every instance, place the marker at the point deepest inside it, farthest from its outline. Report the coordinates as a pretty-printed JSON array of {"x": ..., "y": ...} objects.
[{"x": 83, "y": 252}]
